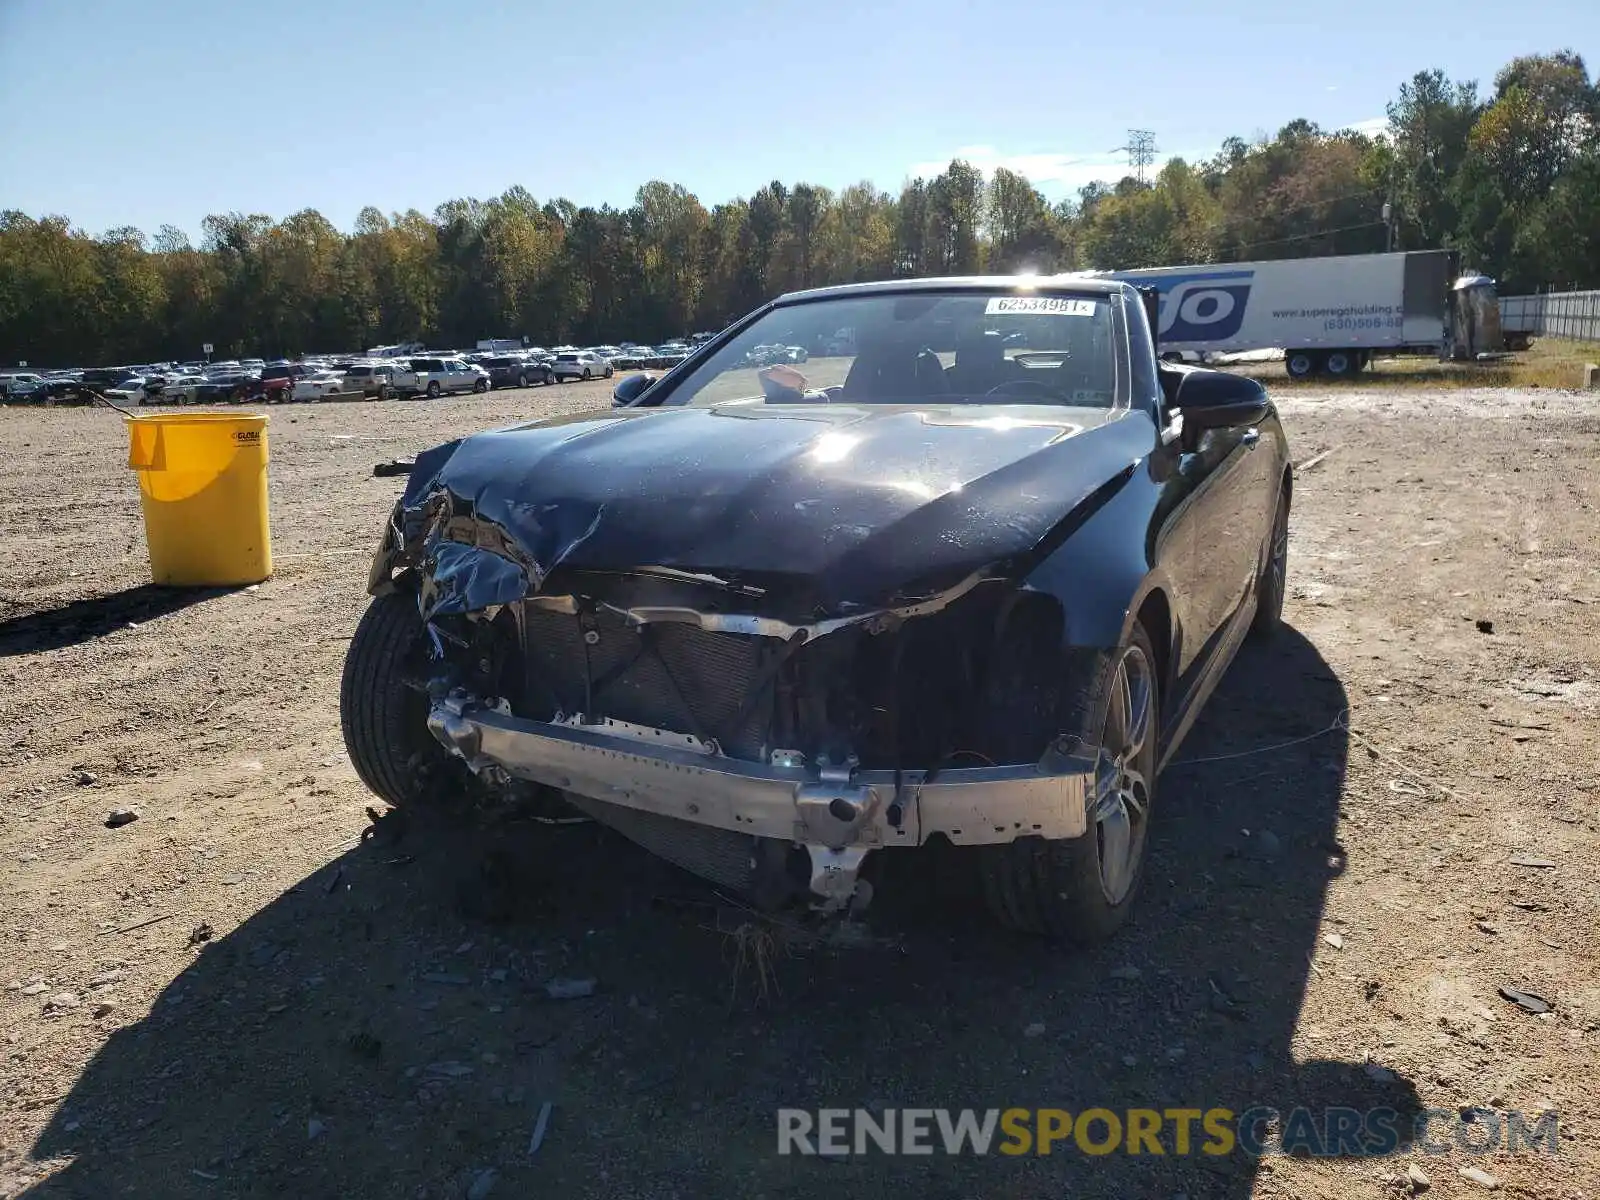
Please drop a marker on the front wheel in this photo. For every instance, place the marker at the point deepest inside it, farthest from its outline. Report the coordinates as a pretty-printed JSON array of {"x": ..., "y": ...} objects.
[
  {"x": 433, "y": 389},
  {"x": 1080, "y": 890},
  {"x": 384, "y": 716},
  {"x": 481, "y": 386},
  {"x": 586, "y": 374},
  {"x": 608, "y": 372},
  {"x": 1273, "y": 583}
]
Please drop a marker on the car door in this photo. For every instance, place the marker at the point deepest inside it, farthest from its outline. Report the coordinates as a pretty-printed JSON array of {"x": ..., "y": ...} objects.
[{"x": 1226, "y": 467}]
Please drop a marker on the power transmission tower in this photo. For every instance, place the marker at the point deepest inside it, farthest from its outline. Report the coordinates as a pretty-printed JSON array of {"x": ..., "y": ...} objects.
[{"x": 1141, "y": 151}]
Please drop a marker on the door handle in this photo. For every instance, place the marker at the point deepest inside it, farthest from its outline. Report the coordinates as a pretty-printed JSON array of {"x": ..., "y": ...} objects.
[{"x": 1250, "y": 438}]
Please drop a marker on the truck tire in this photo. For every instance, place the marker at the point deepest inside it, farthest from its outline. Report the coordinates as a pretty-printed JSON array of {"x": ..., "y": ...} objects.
[
  {"x": 1300, "y": 364},
  {"x": 433, "y": 389},
  {"x": 384, "y": 719},
  {"x": 1058, "y": 887},
  {"x": 1341, "y": 364}
]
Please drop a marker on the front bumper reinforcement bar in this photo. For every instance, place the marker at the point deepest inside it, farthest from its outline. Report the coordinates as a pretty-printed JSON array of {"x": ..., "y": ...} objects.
[{"x": 837, "y": 814}]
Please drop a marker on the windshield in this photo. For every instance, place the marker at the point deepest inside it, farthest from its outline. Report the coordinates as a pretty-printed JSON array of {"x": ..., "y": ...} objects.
[{"x": 911, "y": 347}]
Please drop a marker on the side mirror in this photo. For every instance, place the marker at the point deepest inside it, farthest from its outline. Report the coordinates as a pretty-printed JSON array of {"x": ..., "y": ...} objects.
[
  {"x": 1213, "y": 399},
  {"x": 630, "y": 389}
]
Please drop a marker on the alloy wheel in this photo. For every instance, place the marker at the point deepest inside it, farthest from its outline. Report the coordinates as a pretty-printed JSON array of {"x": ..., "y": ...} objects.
[{"x": 1121, "y": 808}]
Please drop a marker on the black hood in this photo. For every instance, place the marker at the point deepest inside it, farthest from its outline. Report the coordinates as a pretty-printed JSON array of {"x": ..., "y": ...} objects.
[{"x": 865, "y": 504}]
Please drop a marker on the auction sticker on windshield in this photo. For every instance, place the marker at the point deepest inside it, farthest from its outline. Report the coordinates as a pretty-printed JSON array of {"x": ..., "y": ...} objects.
[{"x": 1043, "y": 306}]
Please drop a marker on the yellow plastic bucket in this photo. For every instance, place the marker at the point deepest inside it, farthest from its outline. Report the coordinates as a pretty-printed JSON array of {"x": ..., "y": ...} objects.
[{"x": 203, "y": 483}]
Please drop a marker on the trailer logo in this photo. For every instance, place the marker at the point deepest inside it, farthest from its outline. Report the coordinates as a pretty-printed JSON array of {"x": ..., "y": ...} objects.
[{"x": 1202, "y": 308}]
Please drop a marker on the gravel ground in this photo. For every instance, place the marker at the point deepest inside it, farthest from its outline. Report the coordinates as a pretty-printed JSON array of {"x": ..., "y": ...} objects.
[{"x": 236, "y": 995}]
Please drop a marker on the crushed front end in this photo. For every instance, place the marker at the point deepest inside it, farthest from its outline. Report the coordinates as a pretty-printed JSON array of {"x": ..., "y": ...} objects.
[{"x": 743, "y": 725}]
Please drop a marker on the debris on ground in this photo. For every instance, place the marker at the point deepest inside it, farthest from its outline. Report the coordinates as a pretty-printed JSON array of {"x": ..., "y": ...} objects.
[
  {"x": 1484, "y": 625},
  {"x": 395, "y": 466},
  {"x": 201, "y": 933},
  {"x": 1527, "y": 860},
  {"x": 1336, "y": 940},
  {"x": 1036, "y": 1029},
  {"x": 1528, "y": 1001},
  {"x": 1417, "y": 1179},
  {"x": 570, "y": 989},
  {"x": 87, "y": 778},
  {"x": 541, "y": 1124},
  {"x": 1480, "y": 1177},
  {"x": 118, "y": 817}
]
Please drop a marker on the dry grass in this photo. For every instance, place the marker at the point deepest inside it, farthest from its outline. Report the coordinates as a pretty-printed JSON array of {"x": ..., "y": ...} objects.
[{"x": 1548, "y": 363}]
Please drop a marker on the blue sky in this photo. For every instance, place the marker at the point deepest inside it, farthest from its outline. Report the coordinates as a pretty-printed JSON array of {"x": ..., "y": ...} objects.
[{"x": 144, "y": 112}]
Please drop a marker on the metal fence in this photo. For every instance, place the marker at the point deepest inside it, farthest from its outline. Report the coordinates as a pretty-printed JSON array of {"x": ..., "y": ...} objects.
[{"x": 1553, "y": 314}]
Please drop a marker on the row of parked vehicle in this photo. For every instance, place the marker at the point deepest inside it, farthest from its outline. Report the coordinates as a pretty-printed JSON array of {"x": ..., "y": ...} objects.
[{"x": 384, "y": 374}]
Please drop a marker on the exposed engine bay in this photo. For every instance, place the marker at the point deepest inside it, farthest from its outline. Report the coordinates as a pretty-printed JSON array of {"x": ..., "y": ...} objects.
[{"x": 969, "y": 681}]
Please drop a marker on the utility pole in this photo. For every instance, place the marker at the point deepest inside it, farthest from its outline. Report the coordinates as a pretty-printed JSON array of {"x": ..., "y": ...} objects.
[{"x": 1141, "y": 151}]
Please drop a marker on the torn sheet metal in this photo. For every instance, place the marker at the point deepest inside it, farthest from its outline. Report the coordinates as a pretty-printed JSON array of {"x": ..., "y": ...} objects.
[{"x": 806, "y": 515}]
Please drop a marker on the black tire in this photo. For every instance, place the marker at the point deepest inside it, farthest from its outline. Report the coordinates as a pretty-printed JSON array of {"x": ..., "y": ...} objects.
[
  {"x": 383, "y": 391},
  {"x": 522, "y": 379},
  {"x": 1341, "y": 364},
  {"x": 1054, "y": 887},
  {"x": 608, "y": 371},
  {"x": 433, "y": 389},
  {"x": 480, "y": 386},
  {"x": 1272, "y": 584},
  {"x": 1302, "y": 364},
  {"x": 586, "y": 374},
  {"x": 385, "y": 721}
]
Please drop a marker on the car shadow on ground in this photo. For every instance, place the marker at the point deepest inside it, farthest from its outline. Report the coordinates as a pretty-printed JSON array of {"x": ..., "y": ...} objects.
[
  {"x": 383, "y": 1028},
  {"x": 85, "y": 620}
]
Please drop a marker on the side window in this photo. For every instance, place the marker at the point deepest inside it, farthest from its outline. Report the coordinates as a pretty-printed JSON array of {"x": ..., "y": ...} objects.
[{"x": 1142, "y": 356}]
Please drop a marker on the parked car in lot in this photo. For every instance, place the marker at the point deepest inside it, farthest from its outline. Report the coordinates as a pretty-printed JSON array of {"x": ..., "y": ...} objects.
[
  {"x": 126, "y": 391},
  {"x": 434, "y": 377},
  {"x": 225, "y": 389},
  {"x": 580, "y": 364},
  {"x": 315, "y": 386},
  {"x": 516, "y": 371},
  {"x": 275, "y": 385},
  {"x": 766, "y": 356},
  {"x": 371, "y": 379},
  {"x": 768, "y": 628},
  {"x": 179, "y": 389}
]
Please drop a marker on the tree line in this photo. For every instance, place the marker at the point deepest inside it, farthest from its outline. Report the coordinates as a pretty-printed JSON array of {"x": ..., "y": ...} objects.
[{"x": 1510, "y": 177}]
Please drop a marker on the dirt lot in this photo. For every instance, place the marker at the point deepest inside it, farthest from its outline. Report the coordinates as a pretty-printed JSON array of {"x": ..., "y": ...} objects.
[{"x": 236, "y": 996}]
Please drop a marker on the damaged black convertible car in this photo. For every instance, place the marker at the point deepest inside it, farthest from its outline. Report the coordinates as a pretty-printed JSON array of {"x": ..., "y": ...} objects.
[{"x": 972, "y": 580}]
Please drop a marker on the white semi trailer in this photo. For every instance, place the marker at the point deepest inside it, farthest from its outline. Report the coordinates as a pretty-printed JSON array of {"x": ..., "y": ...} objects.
[{"x": 1329, "y": 316}]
